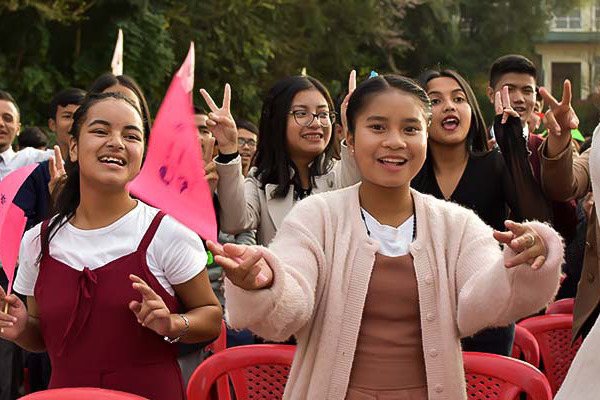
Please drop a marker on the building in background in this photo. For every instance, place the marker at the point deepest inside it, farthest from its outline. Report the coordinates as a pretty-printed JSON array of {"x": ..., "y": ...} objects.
[{"x": 571, "y": 49}]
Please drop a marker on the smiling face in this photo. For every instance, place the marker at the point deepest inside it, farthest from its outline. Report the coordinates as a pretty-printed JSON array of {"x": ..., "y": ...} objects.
[
  {"x": 452, "y": 113},
  {"x": 110, "y": 145},
  {"x": 307, "y": 142},
  {"x": 521, "y": 90},
  {"x": 390, "y": 139},
  {"x": 10, "y": 124},
  {"x": 248, "y": 148}
]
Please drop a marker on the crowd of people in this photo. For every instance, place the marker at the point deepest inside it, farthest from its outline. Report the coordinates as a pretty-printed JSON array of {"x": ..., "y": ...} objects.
[{"x": 370, "y": 232}]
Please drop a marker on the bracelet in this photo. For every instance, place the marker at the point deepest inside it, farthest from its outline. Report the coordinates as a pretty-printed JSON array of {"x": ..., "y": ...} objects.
[{"x": 185, "y": 331}]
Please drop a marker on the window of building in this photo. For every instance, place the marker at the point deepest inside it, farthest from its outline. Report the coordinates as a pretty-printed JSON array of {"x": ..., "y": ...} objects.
[{"x": 570, "y": 21}]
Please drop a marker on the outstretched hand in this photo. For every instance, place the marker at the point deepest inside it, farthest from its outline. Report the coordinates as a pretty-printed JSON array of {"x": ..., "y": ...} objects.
[
  {"x": 56, "y": 167},
  {"x": 151, "y": 312},
  {"x": 344, "y": 106},
  {"x": 561, "y": 118},
  {"x": 524, "y": 241},
  {"x": 243, "y": 265},
  {"x": 221, "y": 123},
  {"x": 13, "y": 316},
  {"x": 502, "y": 105}
]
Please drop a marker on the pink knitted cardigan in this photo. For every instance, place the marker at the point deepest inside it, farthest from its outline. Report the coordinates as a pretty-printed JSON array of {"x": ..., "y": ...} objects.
[{"x": 322, "y": 260}]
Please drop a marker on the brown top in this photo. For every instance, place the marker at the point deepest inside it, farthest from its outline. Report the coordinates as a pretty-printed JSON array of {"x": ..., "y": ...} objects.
[{"x": 389, "y": 351}]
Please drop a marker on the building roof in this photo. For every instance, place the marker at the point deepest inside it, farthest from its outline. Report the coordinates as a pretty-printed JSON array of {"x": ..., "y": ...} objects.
[{"x": 569, "y": 37}]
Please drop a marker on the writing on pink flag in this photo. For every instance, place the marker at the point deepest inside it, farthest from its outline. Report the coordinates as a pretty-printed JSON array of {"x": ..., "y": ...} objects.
[
  {"x": 11, "y": 233},
  {"x": 172, "y": 177},
  {"x": 12, "y": 220},
  {"x": 187, "y": 69}
]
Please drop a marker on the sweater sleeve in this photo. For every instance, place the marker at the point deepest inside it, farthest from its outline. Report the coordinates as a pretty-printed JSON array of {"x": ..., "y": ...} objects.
[
  {"x": 346, "y": 171},
  {"x": 238, "y": 198},
  {"x": 296, "y": 257},
  {"x": 489, "y": 294}
]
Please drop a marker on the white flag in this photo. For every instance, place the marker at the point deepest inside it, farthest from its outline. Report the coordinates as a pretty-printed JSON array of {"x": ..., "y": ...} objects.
[
  {"x": 186, "y": 71},
  {"x": 117, "y": 61}
]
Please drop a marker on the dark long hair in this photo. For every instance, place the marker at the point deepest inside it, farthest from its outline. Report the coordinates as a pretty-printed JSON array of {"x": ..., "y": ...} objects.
[
  {"x": 477, "y": 136},
  {"x": 67, "y": 194},
  {"x": 107, "y": 80},
  {"x": 272, "y": 158},
  {"x": 381, "y": 83}
]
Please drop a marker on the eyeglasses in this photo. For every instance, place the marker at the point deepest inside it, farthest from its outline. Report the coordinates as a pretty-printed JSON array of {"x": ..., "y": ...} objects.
[
  {"x": 249, "y": 142},
  {"x": 305, "y": 118}
]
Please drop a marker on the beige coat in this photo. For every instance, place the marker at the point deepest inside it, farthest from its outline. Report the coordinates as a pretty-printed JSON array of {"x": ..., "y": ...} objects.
[
  {"x": 322, "y": 260},
  {"x": 245, "y": 206},
  {"x": 565, "y": 178}
]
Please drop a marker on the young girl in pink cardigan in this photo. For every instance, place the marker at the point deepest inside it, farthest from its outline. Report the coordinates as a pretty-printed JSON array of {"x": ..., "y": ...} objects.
[{"x": 379, "y": 282}]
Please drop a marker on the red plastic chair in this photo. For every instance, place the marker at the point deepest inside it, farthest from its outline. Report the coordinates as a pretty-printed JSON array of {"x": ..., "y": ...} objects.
[
  {"x": 562, "y": 306},
  {"x": 80, "y": 394},
  {"x": 257, "y": 371},
  {"x": 525, "y": 347},
  {"x": 553, "y": 334},
  {"x": 494, "y": 377}
]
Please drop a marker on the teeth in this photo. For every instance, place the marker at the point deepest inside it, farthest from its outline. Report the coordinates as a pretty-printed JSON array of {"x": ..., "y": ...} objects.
[
  {"x": 392, "y": 160},
  {"x": 112, "y": 160},
  {"x": 312, "y": 136}
]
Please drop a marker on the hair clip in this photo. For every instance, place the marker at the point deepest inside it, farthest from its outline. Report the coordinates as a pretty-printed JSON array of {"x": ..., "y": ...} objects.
[{"x": 373, "y": 74}]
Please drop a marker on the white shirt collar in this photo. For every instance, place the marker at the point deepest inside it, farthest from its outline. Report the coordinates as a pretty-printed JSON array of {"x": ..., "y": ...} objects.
[{"x": 7, "y": 155}]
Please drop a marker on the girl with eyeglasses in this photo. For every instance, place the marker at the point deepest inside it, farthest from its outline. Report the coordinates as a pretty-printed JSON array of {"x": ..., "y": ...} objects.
[
  {"x": 293, "y": 157},
  {"x": 377, "y": 281}
]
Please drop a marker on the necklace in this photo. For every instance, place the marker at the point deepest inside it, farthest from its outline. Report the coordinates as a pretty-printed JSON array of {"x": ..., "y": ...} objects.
[{"x": 414, "y": 233}]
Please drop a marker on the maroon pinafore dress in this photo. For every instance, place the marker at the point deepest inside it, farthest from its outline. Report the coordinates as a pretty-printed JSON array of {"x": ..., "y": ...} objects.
[{"x": 91, "y": 335}]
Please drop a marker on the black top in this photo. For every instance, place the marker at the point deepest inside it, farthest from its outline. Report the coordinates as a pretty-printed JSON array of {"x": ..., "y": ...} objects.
[
  {"x": 34, "y": 197},
  {"x": 485, "y": 187}
]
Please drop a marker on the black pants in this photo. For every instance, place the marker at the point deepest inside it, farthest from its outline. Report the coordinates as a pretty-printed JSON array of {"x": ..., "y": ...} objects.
[{"x": 493, "y": 340}]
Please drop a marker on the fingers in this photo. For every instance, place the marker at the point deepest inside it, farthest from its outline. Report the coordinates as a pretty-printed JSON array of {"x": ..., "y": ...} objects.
[
  {"x": 227, "y": 97},
  {"x": 153, "y": 315},
  {"x": 505, "y": 98},
  {"x": 352, "y": 81},
  {"x": 552, "y": 124},
  {"x": 59, "y": 163},
  {"x": 538, "y": 263},
  {"x": 207, "y": 150},
  {"x": 209, "y": 101},
  {"x": 522, "y": 258},
  {"x": 142, "y": 287},
  {"x": 517, "y": 229},
  {"x": 52, "y": 168},
  {"x": 215, "y": 248},
  {"x": 549, "y": 99},
  {"x": 504, "y": 237},
  {"x": 567, "y": 93},
  {"x": 498, "y": 103}
]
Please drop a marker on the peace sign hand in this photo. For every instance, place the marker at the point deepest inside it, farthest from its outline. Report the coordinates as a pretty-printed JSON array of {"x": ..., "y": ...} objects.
[
  {"x": 243, "y": 265},
  {"x": 524, "y": 241},
  {"x": 56, "y": 167},
  {"x": 152, "y": 312},
  {"x": 562, "y": 116},
  {"x": 221, "y": 123},
  {"x": 344, "y": 106},
  {"x": 502, "y": 105},
  {"x": 559, "y": 120}
]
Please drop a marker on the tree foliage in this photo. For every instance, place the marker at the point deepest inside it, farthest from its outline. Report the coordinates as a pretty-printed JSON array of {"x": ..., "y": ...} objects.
[{"x": 251, "y": 43}]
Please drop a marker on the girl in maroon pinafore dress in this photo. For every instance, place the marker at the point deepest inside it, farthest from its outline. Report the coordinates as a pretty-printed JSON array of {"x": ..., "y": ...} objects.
[{"x": 107, "y": 278}]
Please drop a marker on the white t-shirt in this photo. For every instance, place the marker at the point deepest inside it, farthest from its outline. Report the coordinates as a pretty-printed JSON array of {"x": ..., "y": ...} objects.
[
  {"x": 175, "y": 254},
  {"x": 393, "y": 241}
]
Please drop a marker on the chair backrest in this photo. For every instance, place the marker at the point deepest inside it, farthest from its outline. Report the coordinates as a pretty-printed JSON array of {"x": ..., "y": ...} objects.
[
  {"x": 562, "y": 306},
  {"x": 553, "y": 334},
  {"x": 81, "y": 393},
  {"x": 494, "y": 377},
  {"x": 256, "y": 371},
  {"x": 525, "y": 347}
]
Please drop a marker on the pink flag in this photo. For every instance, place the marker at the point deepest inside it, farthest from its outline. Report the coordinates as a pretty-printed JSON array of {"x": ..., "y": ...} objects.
[
  {"x": 11, "y": 234},
  {"x": 186, "y": 71},
  {"x": 116, "y": 64},
  {"x": 12, "y": 220},
  {"x": 172, "y": 177}
]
